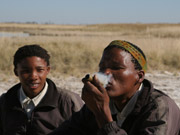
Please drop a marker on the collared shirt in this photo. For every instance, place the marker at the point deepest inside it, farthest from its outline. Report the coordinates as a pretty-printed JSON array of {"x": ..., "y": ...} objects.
[
  {"x": 121, "y": 116},
  {"x": 29, "y": 104}
]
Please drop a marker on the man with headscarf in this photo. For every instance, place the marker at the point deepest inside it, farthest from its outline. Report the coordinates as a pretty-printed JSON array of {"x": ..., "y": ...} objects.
[{"x": 128, "y": 104}]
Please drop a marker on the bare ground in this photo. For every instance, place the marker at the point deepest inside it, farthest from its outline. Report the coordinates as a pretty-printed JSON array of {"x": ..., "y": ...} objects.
[{"x": 166, "y": 81}]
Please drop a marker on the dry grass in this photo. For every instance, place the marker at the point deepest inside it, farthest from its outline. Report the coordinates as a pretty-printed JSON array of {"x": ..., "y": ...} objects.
[{"x": 76, "y": 49}]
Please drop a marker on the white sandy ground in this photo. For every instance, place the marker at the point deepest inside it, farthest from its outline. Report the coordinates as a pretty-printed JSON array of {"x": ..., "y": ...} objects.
[{"x": 166, "y": 81}]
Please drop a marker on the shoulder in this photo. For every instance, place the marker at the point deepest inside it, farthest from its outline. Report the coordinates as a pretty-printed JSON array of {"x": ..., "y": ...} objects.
[
  {"x": 65, "y": 97},
  {"x": 157, "y": 97},
  {"x": 162, "y": 100},
  {"x": 10, "y": 93},
  {"x": 62, "y": 93},
  {"x": 158, "y": 104},
  {"x": 164, "y": 108},
  {"x": 70, "y": 98},
  {"x": 13, "y": 90},
  {"x": 67, "y": 94},
  {"x": 2, "y": 98}
]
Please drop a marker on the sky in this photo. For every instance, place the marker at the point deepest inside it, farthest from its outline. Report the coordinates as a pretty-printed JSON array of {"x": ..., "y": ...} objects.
[{"x": 90, "y": 11}]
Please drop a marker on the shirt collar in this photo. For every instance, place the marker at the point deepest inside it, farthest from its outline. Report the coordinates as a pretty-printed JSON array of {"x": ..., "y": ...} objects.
[
  {"x": 23, "y": 98},
  {"x": 127, "y": 109}
]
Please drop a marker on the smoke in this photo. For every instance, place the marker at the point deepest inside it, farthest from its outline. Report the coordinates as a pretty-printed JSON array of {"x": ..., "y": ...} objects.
[{"x": 103, "y": 78}]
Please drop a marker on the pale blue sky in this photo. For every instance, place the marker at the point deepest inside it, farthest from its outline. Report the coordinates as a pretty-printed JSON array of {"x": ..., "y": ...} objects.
[{"x": 90, "y": 11}]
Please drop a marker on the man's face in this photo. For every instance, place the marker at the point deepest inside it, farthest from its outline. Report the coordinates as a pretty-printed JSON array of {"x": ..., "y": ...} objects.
[
  {"x": 124, "y": 80},
  {"x": 32, "y": 73}
]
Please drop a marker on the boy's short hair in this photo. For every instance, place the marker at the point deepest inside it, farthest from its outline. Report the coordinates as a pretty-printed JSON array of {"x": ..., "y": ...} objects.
[{"x": 29, "y": 51}]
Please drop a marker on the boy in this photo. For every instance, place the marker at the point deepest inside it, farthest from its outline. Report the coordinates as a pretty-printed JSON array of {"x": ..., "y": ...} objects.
[{"x": 35, "y": 106}]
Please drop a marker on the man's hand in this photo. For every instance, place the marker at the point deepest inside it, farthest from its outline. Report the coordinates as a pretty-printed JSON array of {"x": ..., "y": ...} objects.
[{"x": 96, "y": 98}]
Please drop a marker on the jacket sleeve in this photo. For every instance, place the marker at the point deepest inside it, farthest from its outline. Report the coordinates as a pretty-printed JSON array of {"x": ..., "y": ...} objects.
[
  {"x": 164, "y": 118},
  {"x": 80, "y": 123},
  {"x": 76, "y": 102},
  {"x": 111, "y": 129},
  {"x": 161, "y": 119}
]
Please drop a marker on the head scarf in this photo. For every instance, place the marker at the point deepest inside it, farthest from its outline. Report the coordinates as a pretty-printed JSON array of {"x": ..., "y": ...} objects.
[{"x": 133, "y": 51}]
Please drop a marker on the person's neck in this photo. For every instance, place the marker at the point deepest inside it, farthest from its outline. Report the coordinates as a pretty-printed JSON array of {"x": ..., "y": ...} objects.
[{"x": 121, "y": 101}]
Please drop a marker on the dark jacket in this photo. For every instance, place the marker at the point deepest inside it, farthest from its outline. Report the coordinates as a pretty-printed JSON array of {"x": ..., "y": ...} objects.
[
  {"x": 56, "y": 106},
  {"x": 154, "y": 114}
]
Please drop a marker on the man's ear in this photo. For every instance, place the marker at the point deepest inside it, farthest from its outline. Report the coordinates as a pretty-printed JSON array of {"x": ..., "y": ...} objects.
[
  {"x": 141, "y": 75},
  {"x": 15, "y": 72}
]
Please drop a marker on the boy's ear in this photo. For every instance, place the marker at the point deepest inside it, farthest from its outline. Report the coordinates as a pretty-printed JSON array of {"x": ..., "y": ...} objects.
[
  {"x": 15, "y": 72},
  {"x": 48, "y": 69}
]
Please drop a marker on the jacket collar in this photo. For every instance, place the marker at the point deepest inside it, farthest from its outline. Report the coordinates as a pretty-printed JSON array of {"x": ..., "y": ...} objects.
[
  {"x": 50, "y": 99},
  {"x": 144, "y": 96},
  {"x": 141, "y": 104}
]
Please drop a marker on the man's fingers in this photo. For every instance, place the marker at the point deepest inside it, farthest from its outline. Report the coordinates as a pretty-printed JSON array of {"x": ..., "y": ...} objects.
[
  {"x": 93, "y": 85},
  {"x": 98, "y": 84},
  {"x": 87, "y": 78},
  {"x": 90, "y": 88}
]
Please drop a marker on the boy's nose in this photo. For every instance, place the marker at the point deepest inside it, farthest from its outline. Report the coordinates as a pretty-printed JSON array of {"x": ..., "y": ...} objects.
[{"x": 34, "y": 75}]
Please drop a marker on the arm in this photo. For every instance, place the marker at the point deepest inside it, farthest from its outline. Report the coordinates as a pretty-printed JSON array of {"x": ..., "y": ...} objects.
[
  {"x": 77, "y": 102},
  {"x": 96, "y": 99},
  {"x": 161, "y": 119},
  {"x": 80, "y": 123},
  {"x": 148, "y": 126},
  {"x": 157, "y": 120},
  {"x": 1, "y": 108}
]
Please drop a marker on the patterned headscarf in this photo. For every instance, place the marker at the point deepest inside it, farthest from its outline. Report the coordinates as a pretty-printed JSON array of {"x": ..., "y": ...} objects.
[{"x": 133, "y": 51}]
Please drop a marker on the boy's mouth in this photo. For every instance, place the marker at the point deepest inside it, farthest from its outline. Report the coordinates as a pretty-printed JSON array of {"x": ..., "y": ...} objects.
[{"x": 33, "y": 85}]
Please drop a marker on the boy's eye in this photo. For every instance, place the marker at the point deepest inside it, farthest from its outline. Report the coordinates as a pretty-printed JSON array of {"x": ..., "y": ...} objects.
[
  {"x": 25, "y": 71},
  {"x": 40, "y": 70}
]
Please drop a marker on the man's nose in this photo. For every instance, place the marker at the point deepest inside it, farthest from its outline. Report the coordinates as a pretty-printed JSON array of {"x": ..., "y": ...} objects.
[{"x": 107, "y": 71}]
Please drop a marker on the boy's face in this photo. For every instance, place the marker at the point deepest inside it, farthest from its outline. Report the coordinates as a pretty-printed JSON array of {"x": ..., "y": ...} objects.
[{"x": 32, "y": 73}]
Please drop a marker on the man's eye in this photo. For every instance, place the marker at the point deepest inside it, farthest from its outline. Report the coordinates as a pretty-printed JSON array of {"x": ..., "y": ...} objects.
[
  {"x": 101, "y": 69},
  {"x": 116, "y": 68}
]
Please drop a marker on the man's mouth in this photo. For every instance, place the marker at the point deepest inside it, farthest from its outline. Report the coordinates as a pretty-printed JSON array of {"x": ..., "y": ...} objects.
[{"x": 108, "y": 86}]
